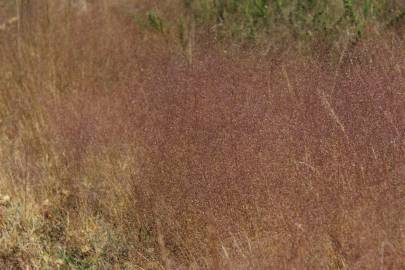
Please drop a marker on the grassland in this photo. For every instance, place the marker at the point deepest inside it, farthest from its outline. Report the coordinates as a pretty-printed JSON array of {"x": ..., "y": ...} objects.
[{"x": 202, "y": 135}]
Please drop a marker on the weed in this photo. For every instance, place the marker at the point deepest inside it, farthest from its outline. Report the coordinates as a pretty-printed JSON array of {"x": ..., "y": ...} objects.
[{"x": 155, "y": 22}]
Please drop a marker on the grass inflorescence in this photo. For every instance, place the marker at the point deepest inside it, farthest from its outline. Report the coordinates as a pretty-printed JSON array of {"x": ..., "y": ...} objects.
[{"x": 147, "y": 144}]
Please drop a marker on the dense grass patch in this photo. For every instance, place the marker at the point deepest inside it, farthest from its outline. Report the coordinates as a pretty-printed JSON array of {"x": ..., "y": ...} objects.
[
  {"x": 274, "y": 24},
  {"x": 120, "y": 149}
]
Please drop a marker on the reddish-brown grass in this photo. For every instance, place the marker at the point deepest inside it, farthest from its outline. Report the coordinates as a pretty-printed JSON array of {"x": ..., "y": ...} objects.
[{"x": 231, "y": 162}]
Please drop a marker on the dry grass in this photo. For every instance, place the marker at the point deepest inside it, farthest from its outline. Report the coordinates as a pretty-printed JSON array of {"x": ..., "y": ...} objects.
[{"x": 116, "y": 153}]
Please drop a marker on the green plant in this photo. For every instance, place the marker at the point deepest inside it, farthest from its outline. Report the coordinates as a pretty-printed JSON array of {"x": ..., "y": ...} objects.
[
  {"x": 258, "y": 21},
  {"x": 182, "y": 33},
  {"x": 368, "y": 8},
  {"x": 155, "y": 21}
]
